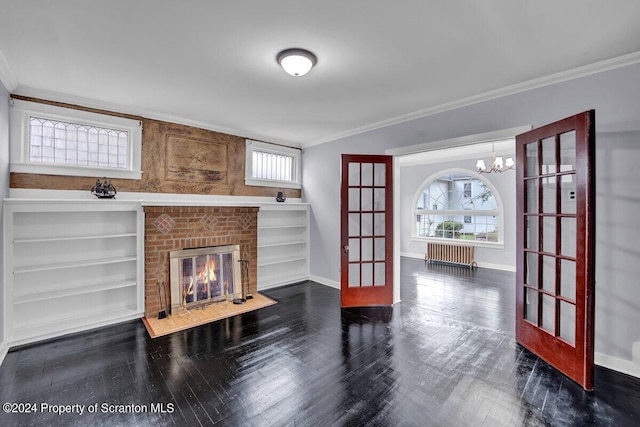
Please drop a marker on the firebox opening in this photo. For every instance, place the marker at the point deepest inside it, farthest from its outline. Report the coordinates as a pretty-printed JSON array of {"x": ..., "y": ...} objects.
[{"x": 203, "y": 276}]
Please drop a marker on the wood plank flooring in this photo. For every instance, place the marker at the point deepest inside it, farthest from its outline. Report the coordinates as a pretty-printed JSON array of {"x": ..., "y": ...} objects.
[{"x": 445, "y": 356}]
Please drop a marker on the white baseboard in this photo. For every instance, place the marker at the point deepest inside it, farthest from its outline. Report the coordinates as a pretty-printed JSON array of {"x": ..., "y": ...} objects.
[
  {"x": 628, "y": 367},
  {"x": 412, "y": 255},
  {"x": 4, "y": 349},
  {"x": 326, "y": 282},
  {"x": 263, "y": 287},
  {"x": 489, "y": 265}
]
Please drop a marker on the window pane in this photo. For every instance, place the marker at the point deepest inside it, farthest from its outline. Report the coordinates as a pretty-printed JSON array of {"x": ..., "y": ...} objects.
[
  {"x": 55, "y": 141},
  {"x": 367, "y": 274},
  {"x": 531, "y": 305},
  {"x": 531, "y": 161},
  {"x": 568, "y": 322},
  {"x": 272, "y": 166},
  {"x": 379, "y": 274},
  {"x": 549, "y": 314},
  {"x": 457, "y": 206}
]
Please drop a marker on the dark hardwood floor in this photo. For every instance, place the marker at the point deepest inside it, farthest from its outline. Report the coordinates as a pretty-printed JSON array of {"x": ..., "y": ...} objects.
[{"x": 445, "y": 356}]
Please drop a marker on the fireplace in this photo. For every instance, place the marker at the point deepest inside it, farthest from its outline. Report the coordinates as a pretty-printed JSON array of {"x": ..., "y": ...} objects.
[
  {"x": 203, "y": 276},
  {"x": 171, "y": 228}
]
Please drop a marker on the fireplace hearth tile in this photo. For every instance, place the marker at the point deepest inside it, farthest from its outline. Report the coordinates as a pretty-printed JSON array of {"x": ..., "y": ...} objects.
[{"x": 180, "y": 322}]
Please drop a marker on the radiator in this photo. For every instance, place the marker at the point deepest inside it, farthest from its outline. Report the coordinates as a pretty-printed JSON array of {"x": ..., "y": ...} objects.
[{"x": 450, "y": 253}]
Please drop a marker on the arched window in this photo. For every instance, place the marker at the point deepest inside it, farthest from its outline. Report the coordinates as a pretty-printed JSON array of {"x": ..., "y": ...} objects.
[{"x": 458, "y": 205}]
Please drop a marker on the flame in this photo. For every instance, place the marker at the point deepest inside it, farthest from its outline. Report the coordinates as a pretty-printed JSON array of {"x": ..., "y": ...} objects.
[
  {"x": 212, "y": 270},
  {"x": 189, "y": 290}
]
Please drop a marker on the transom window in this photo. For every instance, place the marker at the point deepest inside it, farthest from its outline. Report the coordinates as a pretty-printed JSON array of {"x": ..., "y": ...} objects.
[
  {"x": 55, "y": 141},
  {"x": 272, "y": 165},
  {"x": 457, "y": 206},
  {"x": 48, "y": 139}
]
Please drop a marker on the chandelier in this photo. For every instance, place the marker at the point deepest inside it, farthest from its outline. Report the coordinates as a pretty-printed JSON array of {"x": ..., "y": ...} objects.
[{"x": 497, "y": 164}]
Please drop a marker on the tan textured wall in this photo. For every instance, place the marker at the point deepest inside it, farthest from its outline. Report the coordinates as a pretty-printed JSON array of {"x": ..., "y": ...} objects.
[
  {"x": 175, "y": 159},
  {"x": 184, "y": 227}
]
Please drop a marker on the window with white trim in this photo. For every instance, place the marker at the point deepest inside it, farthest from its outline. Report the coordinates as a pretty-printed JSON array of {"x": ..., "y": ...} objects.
[
  {"x": 272, "y": 165},
  {"x": 457, "y": 206},
  {"x": 47, "y": 139}
]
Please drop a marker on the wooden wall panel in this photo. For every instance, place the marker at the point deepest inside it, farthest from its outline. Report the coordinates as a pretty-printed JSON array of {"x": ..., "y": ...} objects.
[{"x": 175, "y": 159}]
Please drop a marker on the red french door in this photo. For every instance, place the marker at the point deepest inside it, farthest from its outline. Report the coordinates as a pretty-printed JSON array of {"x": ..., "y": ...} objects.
[
  {"x": 366, "y": 223},
  {"x": 556, "y": 244}
]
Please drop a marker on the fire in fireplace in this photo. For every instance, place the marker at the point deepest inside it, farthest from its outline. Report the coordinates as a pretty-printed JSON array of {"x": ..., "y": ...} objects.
[{"x": 204, "y": 276}]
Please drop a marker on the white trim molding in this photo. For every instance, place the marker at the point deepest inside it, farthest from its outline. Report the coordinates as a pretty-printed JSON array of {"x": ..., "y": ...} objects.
[
  {"x": 629, "y": 367},
  {"x": 491, "y": 266},
  {"x": 291, "y": 153},
  {"x": 7, "y": 78},
  {"x": 586, "y": 70},
  {"x": 325, "y": 281},
  {"x": 20, "y": 114}
]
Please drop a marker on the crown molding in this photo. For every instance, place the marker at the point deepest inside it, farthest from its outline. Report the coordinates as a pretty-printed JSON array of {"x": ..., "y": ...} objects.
[
  {"x": 7, "y": 78},
  {"x": 587, "y": 70}
]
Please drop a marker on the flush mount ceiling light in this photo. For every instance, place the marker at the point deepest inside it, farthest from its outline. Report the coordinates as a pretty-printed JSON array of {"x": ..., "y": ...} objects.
[{"x": 296, "y": 62}]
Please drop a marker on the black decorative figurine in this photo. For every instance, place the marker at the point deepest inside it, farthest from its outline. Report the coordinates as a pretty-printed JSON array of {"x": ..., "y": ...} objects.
[
  {"x": 104, "y": 190},
  {"x": 280, "y": 197}
]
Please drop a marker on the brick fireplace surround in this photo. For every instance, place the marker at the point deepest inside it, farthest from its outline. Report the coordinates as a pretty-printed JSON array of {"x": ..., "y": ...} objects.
[{"x": 170, "y": 228}]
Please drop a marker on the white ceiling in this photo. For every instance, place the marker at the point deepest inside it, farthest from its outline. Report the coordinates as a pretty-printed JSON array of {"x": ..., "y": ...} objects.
[{"x": 212, "y": 63}]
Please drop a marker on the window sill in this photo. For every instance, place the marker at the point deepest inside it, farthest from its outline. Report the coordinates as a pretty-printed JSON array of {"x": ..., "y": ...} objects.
[
  {"x": 44, "y": 169},
  {"x": 476, "y": 243},
  {"x": 274, "y": 184}
]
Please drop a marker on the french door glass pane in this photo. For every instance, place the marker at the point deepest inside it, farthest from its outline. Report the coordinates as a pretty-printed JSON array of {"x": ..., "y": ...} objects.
[
  {"x": 354, "y": 199},
  {"x": 531, "y": 162},
  {"x": 367, "y": 224},
  {"x": 531, "y": 269},
  {"x": 379, "y": 174},
  {"x": 531, "y": 241},
  {"x": 532, "y": 196},
  {"x": 568, "y": 194},
  {"x": 379, "y": 224},
  {"x": 378, "y": 199},
  {"x": 568, "y": 237},
  {"x": 548, "y": 322},
  {"x": 354, "y": 174},
  {"x": 568, "y": 279},
  {"x": 367, "y": 199},
  {"x": 549, "y": 195},
  {"x": 379, "y": 274},
  {"x": 568, "y": 322},
  {"x": 367, "y": 274},
  {"x": 549, "y": 156},
  {"x": 549, "y": 234},
  {"x": 531, "y": 305},
  {"x": 354, "y": 224},
  {"x": 367, "y": 174},
  {"x": 367, "y": 249},
  {"x": 549, "y": 274},
  {"x": 568, "y": 151},
  {"x": 354, "y": 249}
]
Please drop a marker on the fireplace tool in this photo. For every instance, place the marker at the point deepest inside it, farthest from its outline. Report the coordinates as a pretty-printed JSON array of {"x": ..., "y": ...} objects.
[
  {"x": 245, "y": 273},
  {"x": 245, "y": 279},
  {"x": 163, "y": 305}
]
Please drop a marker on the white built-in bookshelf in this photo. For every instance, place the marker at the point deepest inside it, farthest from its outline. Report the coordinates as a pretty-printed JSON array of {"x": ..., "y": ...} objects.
[
  {"x": 283, "y": 244},
  {"x": 75, "y": 264},
  {"x": 71, "y": 266}
]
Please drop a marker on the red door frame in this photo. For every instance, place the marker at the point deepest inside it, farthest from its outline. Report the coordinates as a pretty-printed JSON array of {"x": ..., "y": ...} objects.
[{"x": 366, "y": 295}]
